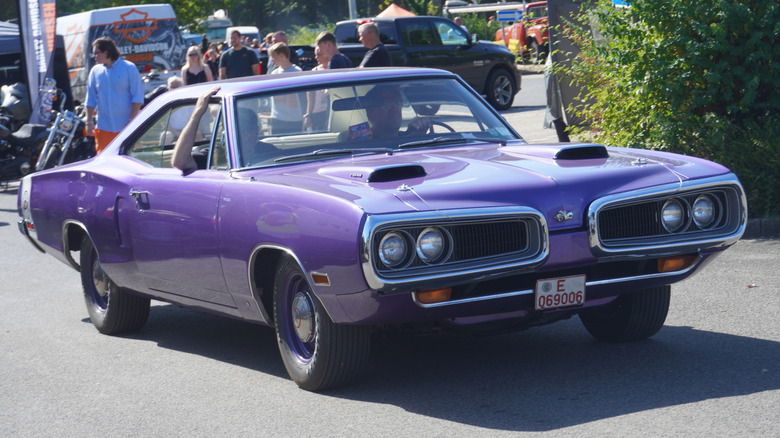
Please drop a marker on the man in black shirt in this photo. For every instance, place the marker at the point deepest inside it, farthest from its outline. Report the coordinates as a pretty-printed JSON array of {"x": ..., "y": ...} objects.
[
  {"x": 237, "y": 61},
  {"x": 377, "y": 55}
]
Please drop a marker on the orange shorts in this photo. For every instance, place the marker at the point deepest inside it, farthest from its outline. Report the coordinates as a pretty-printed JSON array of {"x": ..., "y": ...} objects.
[{"x": 103, "y": 138}]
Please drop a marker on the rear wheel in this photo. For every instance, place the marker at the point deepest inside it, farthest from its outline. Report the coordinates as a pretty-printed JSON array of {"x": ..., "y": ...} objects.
[
  {"x": 316, "y": 352},
  {"x": 500, "y": 90},
  {"x": 630, "y": 317},
  {"x": 111, "y": 310}
]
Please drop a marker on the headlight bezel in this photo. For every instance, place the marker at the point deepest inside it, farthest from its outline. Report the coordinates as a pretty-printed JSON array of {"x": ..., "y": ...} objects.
[
  {"x": 403, "y": 261},
  {"x": 442, "y": 254},
  {"x": 683, "y": 215},
  {"x": 716, "y": 212}
]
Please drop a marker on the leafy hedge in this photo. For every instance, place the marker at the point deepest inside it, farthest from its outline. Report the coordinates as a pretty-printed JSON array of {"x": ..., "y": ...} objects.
[{"x": 698, "y": 77}]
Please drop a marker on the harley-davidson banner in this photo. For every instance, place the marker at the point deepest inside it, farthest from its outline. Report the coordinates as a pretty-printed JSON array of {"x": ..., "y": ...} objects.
[
  {"x": 37, "y": 25},
  {"x": 147, "y": 35}
]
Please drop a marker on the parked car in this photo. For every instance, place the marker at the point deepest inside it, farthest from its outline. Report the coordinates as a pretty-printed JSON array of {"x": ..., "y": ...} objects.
[
  {"x": 409, "y": 201},
  {"x": 530, "y": 35},
  {"x": 440, "y": 43}
]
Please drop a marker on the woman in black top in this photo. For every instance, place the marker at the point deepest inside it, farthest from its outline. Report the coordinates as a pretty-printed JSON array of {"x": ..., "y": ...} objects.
[
  {"x": 194, "y": 70},
  {"x": 211, "y": 58}
]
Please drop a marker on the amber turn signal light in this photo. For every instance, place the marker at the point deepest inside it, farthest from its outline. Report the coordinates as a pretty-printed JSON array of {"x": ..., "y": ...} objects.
[
  {"x": 431, "y": 296},
  {"x": 671, "y": 264}
]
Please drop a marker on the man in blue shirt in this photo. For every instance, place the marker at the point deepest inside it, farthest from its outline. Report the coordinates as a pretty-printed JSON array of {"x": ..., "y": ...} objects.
[{"x": 115, "y": 88}]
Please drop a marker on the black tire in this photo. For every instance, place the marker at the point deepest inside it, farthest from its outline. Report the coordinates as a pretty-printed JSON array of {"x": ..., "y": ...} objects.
[
  {"x": 111, "y": 310},
  {"x": 630, "y": 317},
  {"x": 317, "y": 353},
  {"x": 52, "y": 158},
  {"x": 538, "y": 52},
  {"x": 500, "y": 89}
]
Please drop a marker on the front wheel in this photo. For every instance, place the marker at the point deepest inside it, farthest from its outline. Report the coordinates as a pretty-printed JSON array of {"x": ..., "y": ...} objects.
[
  {"x": 500, "y": 90},
  {"x": 630, "y": 317},
  {"x": 538, "y": 52},
  {"x": 316, "y": 352},
  {"x": 111, "y": 310},
  {"x": 52, "y": 158}
]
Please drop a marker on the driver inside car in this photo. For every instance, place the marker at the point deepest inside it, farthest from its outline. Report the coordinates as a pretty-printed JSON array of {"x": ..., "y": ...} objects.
[{"x": 383, "y": 109}]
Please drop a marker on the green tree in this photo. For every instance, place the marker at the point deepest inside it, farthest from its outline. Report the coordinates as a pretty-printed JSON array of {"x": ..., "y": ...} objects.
[{"x": 699, "y": 77}]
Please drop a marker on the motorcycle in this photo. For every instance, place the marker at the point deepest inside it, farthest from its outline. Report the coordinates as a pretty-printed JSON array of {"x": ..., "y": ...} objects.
[
  {"x": 66, "y": 142},
  {"x": 20, "y": 142}
]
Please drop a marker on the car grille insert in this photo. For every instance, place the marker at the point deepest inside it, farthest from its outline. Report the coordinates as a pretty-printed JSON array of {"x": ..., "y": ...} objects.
[
  {"x": 471, "y": 243},
  {"x": 640, "y": 221}
]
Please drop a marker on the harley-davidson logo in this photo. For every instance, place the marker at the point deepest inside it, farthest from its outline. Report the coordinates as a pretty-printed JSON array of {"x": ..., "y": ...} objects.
[{"x": 135, "y": 26}]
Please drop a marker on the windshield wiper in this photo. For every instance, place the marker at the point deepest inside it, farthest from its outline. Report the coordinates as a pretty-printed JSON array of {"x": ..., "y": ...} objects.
[
  {"x": 447, "y": 140},
  {"x": 330, "y": 152}
]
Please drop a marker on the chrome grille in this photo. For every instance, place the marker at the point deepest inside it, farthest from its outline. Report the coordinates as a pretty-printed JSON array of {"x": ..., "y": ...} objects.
[
  {"x": 474, "y": 241},
  {"x": 639, "y": 221},
  {"x": 479, "y": 242}
]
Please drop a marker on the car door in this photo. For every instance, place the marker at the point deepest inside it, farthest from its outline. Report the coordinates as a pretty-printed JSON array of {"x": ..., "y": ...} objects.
[
  {"x": 453, "y": 45},
  {"x": 423, "y": 47},
  {"x": 173, "y": 226}
]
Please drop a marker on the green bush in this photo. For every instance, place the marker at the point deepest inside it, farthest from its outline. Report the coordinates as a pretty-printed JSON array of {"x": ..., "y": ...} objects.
[{"x": 698, "y": 77}]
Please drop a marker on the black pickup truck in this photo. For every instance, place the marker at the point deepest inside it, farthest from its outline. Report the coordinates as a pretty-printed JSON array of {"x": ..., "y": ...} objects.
[{"x": 439, "y": 43}]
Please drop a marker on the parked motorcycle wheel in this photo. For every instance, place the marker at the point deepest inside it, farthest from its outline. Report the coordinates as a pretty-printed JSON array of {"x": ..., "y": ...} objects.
[{"x": 52, "y": 156}]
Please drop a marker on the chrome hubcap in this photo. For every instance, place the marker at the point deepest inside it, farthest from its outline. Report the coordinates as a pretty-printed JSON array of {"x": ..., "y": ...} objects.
[
  {"x": 100, "y": 280},
  {"x": 303, "y": 317}
]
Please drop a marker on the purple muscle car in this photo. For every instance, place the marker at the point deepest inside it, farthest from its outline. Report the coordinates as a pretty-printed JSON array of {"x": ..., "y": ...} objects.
[{"x": 330, "y": 203}]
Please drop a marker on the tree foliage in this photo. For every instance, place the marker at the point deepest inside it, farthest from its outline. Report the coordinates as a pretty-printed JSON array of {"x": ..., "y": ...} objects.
[{"x": 699, "y": 77}]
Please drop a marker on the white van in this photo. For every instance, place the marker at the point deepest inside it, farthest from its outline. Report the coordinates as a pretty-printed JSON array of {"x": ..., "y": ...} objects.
[
  {"x": 147, "y": 35},
  {"x": 251, "y": 32}
]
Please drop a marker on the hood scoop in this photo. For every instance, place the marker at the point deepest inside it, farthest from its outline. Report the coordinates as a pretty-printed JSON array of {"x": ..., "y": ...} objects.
[
  {"x": 581, "y": 152},
  {"x": 395, "y": 173},
  {"x": 372, "y": 174}
]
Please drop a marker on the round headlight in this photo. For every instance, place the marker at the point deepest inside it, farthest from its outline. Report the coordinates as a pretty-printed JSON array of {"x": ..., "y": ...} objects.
[
  {"x": 431, "y": 245},
  {"x": 66, "y": 124},
  {"x": 672, "y": 215},
  {"x": 703, "y": 211},
  {"x": 393, "y": 249}
]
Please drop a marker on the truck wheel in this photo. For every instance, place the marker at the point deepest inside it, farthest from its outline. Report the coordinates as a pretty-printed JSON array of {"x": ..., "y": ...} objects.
[
  {"x": 630, "y": 317},
  {"x": 500, "y": 90},
  {"x": 111, "y": 310},
  {"x": 316, "y": 352},
  {"x": 538, "y": 52}
]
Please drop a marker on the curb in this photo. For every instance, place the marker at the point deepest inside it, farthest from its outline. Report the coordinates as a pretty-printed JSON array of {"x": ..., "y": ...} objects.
[{"x": 762, "y": 229}]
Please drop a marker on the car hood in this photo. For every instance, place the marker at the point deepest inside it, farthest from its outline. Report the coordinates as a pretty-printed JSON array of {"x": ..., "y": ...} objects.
[{"x": 548, "y": 178}]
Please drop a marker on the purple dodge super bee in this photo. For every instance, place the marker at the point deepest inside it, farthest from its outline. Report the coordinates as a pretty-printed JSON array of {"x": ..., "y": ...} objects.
[{"x": 329, "y": 203}]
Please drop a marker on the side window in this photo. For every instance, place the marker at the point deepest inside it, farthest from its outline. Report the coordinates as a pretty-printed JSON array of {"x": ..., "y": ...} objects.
[
  {"x": 386, "y": 32},
  {"x": 419, "y": 34},
  {"x": 347, "y": 34},
  {"x": 538, "y": 12},
  {"x": 451, "y": 35},
  {"x": 218, "y": 159},
  {"x": 155, "y": 145}
]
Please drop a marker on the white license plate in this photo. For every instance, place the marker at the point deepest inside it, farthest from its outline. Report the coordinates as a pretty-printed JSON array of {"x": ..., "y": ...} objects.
[{"x": 553, "y": 293}]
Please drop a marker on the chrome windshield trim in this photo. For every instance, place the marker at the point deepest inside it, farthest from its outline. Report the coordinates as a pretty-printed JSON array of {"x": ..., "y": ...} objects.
[
  {"x": 716, "y": 241},
  {"x": 480, "y": 270},
  {"x": 587, "y": 284}
]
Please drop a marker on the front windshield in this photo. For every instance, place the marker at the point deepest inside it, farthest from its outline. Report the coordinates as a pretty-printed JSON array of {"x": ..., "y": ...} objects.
[{"x": 362, "y": 119}]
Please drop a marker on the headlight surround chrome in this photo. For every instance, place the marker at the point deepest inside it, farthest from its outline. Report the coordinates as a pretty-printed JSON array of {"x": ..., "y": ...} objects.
[
  {"x": 395, "y": 249},
  {"x": 673, "y": 215},
  {"x": 434, "y": 245},
  {"x": 703, "y": 211},
  {"x": 65, "y": 124}
]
